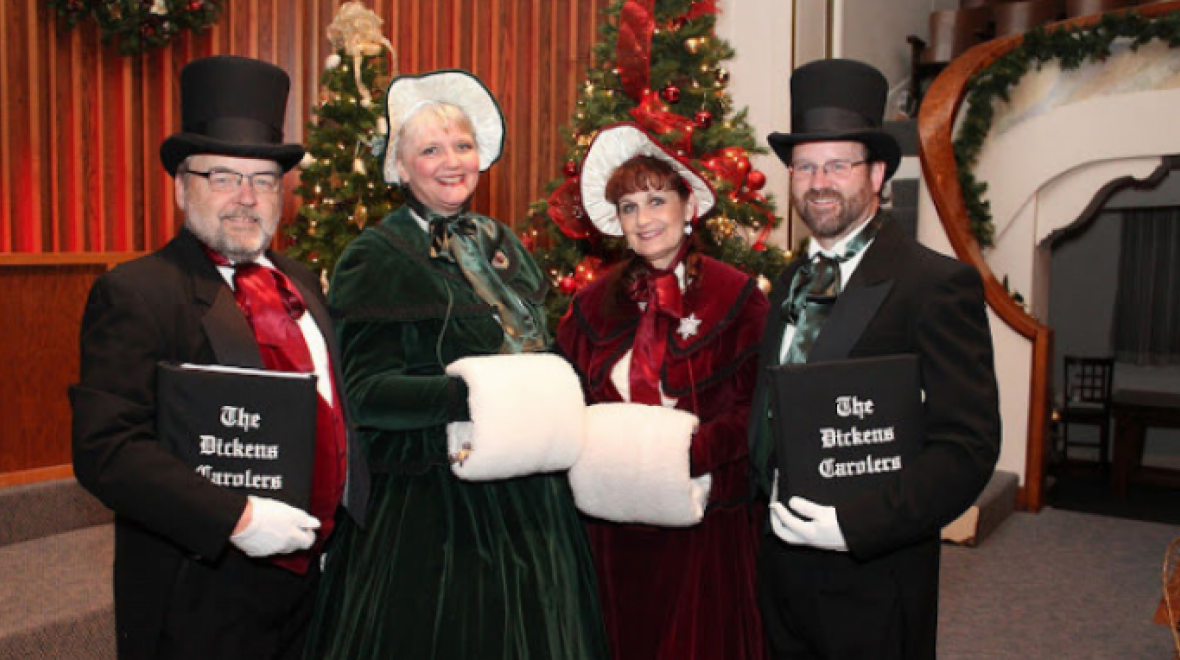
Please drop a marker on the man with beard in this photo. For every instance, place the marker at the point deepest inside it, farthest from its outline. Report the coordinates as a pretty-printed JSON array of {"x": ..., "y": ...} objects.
[
  {"x": 861, "y": 581},
  {"x": 203, "y": 571}
]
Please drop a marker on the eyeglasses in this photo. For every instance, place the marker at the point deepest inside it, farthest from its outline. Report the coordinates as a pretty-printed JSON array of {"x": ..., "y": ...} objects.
[
  {"x": 837, "y": 169},
  {"x": 229, "y": 181}
]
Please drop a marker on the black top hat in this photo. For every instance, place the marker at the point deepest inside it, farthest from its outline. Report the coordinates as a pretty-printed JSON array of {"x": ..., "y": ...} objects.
[
  {"x": 839, "y": 100},
  {"x": 231, "y": 106}
]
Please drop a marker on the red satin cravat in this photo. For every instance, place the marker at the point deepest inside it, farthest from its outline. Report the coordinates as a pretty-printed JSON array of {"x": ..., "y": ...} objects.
[
  {"x": 272, "y": 306},
  {"x": 660, "y": 291}
]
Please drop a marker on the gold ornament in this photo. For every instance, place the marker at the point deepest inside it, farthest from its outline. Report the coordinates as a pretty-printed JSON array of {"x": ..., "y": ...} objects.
[
  {"x": 694, "y": 45},
  {"x": 764, "y": 284},
  {"x": 357, "y": 31}
]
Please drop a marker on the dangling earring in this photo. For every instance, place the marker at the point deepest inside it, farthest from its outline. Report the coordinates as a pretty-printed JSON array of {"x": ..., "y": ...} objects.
[{"x": 688, "y": 230}]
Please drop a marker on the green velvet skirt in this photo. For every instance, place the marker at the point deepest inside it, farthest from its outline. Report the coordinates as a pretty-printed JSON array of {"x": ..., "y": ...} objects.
[{"x": 447, "y": 569}]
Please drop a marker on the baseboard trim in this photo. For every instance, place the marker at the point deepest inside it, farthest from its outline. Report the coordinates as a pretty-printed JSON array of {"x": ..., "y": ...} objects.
[{"x": 36, "y": 475}]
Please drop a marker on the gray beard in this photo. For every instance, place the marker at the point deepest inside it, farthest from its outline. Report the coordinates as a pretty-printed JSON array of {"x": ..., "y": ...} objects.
[{"x": 218, "y": 242}]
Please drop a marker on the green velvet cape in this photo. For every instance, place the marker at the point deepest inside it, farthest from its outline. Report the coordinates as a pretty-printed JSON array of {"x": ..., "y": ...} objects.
[{"x": 444, "y": 568}]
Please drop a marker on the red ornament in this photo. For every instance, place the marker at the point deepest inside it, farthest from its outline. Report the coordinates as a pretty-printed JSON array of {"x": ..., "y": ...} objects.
[
  {"x": 194, "y": 5},
  {"x": 703, "y": 119},
  {"x": 528, "y": 241},
  {"x": 571, "y": 168},
  {"x": 677, "y": 23},
  {"x": 671, "y": 94},
  {"x": 567, "y": 285},
  {"x": 755, "y": 180}
]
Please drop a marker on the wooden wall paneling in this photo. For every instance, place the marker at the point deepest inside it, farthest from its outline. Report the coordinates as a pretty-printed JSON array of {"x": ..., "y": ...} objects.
[
  {"x": 43, "y": 297},
  {"x": 81, "y": 124},
  {"x": 537, "y": 99},
  {"x": 54, "y": 213},
  {"x": 73, "y": 120},
  {"x": 38, "y": 333},
  {"x": 90, "y": 187},
  {"x": 6, "y": 89},
  {"x": 17, "y": 106}
]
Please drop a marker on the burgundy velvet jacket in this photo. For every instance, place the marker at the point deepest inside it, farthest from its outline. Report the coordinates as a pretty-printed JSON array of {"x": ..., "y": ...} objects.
[{"x": 658, "y": 585}]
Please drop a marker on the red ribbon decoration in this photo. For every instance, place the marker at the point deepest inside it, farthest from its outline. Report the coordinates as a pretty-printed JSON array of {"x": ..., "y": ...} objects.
[
  {"x": 731, "y": 165},
  {"x": 701, "y": 8},
  {"x": 660, "y": 290},
  {"x": 652, "y": 113},
  {"x": 565, "y": 210},
  {"x": 637, "y": 22}
]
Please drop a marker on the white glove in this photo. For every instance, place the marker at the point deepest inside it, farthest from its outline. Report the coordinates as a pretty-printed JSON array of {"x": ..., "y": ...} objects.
[
  {"x": 822, "y": 531},
  {"x": 275, "y": 529}
]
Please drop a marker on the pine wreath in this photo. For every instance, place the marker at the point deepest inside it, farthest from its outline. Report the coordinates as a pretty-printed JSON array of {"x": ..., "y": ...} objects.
[{"x": 138, "y": 25}]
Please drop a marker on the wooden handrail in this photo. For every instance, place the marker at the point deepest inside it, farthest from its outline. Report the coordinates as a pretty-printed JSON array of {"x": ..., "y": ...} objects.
[{"x": 936, "y": 149}]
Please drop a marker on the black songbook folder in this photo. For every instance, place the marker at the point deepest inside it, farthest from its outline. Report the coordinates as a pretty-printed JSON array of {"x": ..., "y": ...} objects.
[
  {"x": 842, "y": 426},
  {"x": 248, "y": 429}
]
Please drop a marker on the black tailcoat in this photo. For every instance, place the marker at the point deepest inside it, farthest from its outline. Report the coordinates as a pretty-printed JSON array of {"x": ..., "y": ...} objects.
[
  {"x": 171, "y": 305},
  {"x": 905, "y": 298}
]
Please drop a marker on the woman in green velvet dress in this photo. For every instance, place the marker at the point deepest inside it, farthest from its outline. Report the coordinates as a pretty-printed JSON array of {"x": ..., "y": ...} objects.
[{"x": 447, "y": 567}]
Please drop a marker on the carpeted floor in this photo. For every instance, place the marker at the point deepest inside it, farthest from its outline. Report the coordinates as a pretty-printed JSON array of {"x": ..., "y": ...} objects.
[{"x": 1056, "y": 585}]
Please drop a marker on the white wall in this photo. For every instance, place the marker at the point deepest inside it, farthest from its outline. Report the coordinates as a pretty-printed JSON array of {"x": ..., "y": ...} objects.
[
  {"x": 875, "y": 31},
  {"x": 760, "y": 32},
  {"x": 773, "y": 37}
]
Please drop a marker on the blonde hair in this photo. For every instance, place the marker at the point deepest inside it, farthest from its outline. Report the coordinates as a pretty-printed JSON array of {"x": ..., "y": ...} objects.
[{"x": 445, "y": 114}]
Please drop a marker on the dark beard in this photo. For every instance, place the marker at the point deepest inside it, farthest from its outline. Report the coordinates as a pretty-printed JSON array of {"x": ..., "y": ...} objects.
[{"x": 838, "y": 221}]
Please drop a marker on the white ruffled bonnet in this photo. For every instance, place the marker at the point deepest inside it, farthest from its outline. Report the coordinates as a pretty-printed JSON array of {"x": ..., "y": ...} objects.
[
  {"x": 615, "y": 145},
  {"x": 408, "y": 94}
]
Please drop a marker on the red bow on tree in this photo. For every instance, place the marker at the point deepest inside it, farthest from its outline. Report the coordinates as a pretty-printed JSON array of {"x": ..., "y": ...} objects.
[{"x": 652, "y": 113}]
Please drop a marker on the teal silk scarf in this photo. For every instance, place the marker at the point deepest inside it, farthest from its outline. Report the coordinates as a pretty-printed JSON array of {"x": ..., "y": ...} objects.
[{"x": 473, "y": 243}]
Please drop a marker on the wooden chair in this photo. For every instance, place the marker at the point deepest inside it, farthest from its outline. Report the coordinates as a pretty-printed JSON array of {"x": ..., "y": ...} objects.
[
  {"x": 1020, "y": 17},
  {"x": 1087, "y": 392},
  {"x": 952, "y": 31},
  {"x": 1074, "y": 8}
]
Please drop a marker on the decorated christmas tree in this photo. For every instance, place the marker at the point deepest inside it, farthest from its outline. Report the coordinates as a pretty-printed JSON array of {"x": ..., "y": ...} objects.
[
  {"x": 341, "y": 184},
  {"x": 659, "y": 63}
]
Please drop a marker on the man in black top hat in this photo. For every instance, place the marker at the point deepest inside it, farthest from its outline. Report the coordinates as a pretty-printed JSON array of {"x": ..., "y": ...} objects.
[
  {"x": 203, "y": 571},
  {"x": 861, "y": 581}
]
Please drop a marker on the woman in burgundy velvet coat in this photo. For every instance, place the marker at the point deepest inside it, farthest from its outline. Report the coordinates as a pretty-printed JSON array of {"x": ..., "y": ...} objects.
[{"x": 666, "y": 344}]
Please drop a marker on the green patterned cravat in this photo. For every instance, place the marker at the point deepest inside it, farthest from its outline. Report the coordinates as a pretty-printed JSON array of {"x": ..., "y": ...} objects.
[
  {"x": 472, "y": 242},
  {"x": 814, "y": 290}
]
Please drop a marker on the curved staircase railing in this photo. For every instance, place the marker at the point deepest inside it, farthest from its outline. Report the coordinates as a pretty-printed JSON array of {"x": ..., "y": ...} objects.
[{"x": 935, "y": 147}]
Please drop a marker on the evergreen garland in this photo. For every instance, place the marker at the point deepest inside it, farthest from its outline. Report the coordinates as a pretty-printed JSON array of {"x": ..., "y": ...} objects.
[
  {"x": 1073, "y": 47},
  {"x": 140, "y": 24}
]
